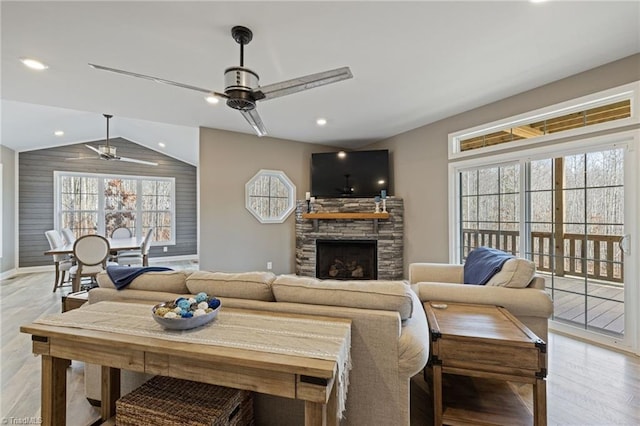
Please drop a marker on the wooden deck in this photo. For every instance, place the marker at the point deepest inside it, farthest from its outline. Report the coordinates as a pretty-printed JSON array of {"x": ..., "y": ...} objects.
[{"x": 604, "y": 303}]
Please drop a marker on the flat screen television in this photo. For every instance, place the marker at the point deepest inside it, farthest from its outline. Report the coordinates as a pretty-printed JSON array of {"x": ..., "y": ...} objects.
[{"x": 350, "y": 174}]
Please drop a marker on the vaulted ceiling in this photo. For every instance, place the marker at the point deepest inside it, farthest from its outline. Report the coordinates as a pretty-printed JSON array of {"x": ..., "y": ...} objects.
[{"x": 413, "y": 63}]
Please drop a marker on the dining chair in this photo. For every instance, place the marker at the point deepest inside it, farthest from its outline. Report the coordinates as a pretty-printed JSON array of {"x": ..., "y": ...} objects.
[
  {"x": 122, "y": 232},
  {"x": 62, "y": 261},
  {"x": 68, "y": 235},
  {"x": 118, "y": 233},
  {"x": 137, "y": 257},
  {"x": 90, "y": 252}
]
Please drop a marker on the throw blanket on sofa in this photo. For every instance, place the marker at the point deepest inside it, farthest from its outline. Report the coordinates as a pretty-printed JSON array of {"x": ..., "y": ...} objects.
[
  {"x": 123, "y": 275},
  {"x": 482, "y": 264}
]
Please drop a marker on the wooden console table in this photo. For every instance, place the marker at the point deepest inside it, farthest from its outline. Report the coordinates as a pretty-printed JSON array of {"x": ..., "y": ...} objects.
[
  {"x": 484, "y": 342},
  {"x": 346, "y": 216},
  {"x": 287, "y": 373}
]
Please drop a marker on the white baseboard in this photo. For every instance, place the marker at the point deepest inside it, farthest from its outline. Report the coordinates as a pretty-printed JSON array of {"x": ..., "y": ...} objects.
[
  {"x": 8, "y": 274},
  {"x": 160, "y": 260}
]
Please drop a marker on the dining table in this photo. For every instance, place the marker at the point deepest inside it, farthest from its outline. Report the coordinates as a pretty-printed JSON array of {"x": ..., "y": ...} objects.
[{"x": 115, "y": 244}]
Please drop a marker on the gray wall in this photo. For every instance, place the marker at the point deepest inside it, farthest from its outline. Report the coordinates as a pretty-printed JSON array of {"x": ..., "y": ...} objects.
[
  {"x": 7, "y": 158},
  {"x": 231, "y": 239},
  {"x": 420, "y": 156},
  {"x": 36, "y": 193}
]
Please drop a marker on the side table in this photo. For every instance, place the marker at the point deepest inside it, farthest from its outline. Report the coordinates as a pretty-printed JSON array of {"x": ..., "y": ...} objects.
[
  {"x": 74, "y": 300},
  {"x": 483, "y": 342}
]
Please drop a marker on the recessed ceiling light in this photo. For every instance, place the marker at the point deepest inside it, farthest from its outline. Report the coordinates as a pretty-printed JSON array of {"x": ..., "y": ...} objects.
[
  {"x": 537, "y": 1},
  {"x": 212, "y": 99},
  {"x": 342, "y": 154},
  {"x": 34, "y": 64},
  {"x": 161, "y": 144},
  {"x": 58, "y": 133},
  {"x": 321, "y": 121}
]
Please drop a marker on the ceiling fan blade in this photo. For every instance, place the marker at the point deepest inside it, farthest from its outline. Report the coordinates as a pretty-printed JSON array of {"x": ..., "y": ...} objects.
[
  {"x": 299, "y": 84},
  {"x": 81, "y": 158},
  {"x": 93, "y": 149},
  {"x": 254, "y": 119},
  {"x": 133, "y": 160},
  {"x": 159, "y": 80}
]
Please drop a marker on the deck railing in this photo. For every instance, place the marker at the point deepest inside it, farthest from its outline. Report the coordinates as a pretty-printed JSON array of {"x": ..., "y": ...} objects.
[{"x": 597, "y": 256}]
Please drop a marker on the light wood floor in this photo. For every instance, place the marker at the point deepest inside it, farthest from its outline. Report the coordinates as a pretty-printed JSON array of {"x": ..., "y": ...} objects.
[{"x": 587, "y": 384}]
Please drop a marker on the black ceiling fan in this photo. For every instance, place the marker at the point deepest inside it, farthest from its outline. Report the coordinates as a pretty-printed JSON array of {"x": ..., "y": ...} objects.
[
  {"x": 108, "y": 152},
  {"x": 242, "y": 90}
]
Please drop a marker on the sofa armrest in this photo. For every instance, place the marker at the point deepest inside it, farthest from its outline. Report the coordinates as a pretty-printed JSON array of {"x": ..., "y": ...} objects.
[
  {"x": 436, "y": 272},
  {"x": 413, "y": 345},
  {"x": 521, "y": 302},
  {"x": 537, "y": 282}
]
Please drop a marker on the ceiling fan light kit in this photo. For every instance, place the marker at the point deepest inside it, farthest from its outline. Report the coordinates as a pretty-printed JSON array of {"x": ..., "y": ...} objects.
[
  {"x": 242, "y": 88},
  {"x": 108, "y": 152}
]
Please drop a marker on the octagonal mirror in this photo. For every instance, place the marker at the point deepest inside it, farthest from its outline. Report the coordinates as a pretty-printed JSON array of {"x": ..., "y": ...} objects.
[{"x": 270, "y": 196}]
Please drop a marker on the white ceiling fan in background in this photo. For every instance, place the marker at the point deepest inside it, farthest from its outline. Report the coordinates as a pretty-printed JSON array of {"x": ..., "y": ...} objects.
[
  {"x": 108, "y": 152},
  {"x": 242, "y": 89}
]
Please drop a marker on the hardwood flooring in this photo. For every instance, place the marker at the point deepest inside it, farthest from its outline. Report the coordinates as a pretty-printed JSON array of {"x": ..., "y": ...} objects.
[{"x": 586, "y": 385}]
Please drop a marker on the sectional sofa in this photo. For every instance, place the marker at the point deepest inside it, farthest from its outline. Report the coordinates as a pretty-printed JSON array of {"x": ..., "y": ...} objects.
[{"x": 389, "y": 342}]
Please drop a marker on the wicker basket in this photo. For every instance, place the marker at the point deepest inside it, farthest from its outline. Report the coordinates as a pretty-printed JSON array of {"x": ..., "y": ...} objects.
[{"x": 167, "y": 401}]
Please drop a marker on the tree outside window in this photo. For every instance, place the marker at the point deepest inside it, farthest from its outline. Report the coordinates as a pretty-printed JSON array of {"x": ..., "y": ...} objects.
[{"x": 120, "y": 205}]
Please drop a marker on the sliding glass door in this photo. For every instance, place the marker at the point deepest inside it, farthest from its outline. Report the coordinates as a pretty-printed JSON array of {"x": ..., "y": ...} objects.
[{"x": 572, "y": 211}]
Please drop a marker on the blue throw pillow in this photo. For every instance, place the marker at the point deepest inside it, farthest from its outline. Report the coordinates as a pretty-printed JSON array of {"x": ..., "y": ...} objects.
[{"x": 483, "y": 263}]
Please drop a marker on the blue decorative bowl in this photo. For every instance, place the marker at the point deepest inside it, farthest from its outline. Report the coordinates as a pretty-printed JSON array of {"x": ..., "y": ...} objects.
[{"x": 183, "y": 323}]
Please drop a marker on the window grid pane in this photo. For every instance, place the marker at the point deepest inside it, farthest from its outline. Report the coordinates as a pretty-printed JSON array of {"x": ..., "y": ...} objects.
[
  {"x": 156, "y": 209},
  {"x": 490, "y": 208}
]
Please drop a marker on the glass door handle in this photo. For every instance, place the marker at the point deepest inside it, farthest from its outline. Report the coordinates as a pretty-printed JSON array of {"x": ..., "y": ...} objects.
[{"x": 624, "y": 244}]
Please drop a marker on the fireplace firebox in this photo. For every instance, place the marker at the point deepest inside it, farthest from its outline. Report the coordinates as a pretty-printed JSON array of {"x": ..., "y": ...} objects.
[{"x": 347, "y": 259}]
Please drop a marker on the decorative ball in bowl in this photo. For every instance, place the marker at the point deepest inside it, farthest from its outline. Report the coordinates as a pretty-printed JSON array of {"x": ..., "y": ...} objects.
[{"x": 186, "y": 313}]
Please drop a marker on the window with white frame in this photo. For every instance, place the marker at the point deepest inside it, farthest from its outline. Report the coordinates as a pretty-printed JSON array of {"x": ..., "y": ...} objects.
[
  {"x": 90, "y": 203},
  {"x": 609, "y": 109}
]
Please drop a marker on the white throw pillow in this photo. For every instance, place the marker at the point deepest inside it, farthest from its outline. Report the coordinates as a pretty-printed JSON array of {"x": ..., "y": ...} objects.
[{"x": 515, "y": 273}]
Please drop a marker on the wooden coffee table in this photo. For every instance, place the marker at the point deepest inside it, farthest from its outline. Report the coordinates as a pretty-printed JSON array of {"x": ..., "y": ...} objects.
[{"x": 483, "y": 342}]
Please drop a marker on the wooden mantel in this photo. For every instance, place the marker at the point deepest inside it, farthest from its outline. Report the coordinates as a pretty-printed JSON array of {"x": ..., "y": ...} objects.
[
  {"x": 345, "y": 216},
  {"x": 352, "y": 215}
]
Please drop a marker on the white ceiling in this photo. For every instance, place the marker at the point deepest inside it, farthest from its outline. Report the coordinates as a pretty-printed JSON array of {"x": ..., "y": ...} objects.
[{"x": 413, "y": 63}]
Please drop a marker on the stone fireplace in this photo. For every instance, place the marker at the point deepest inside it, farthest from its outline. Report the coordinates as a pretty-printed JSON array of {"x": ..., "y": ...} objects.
[{"x": 343, "y": 239}]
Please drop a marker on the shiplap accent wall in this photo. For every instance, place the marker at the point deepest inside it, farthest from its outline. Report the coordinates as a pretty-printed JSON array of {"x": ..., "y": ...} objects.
[{"x": 35, "y": 214}]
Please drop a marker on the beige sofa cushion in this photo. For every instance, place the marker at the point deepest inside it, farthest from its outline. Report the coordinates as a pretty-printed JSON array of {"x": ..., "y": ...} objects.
[
  {"x": 166, "y": 281},
  {"x": 515, "y": 273},
  {"x": 244, "y": 285},
  {"x": 364, "y": 294}
]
